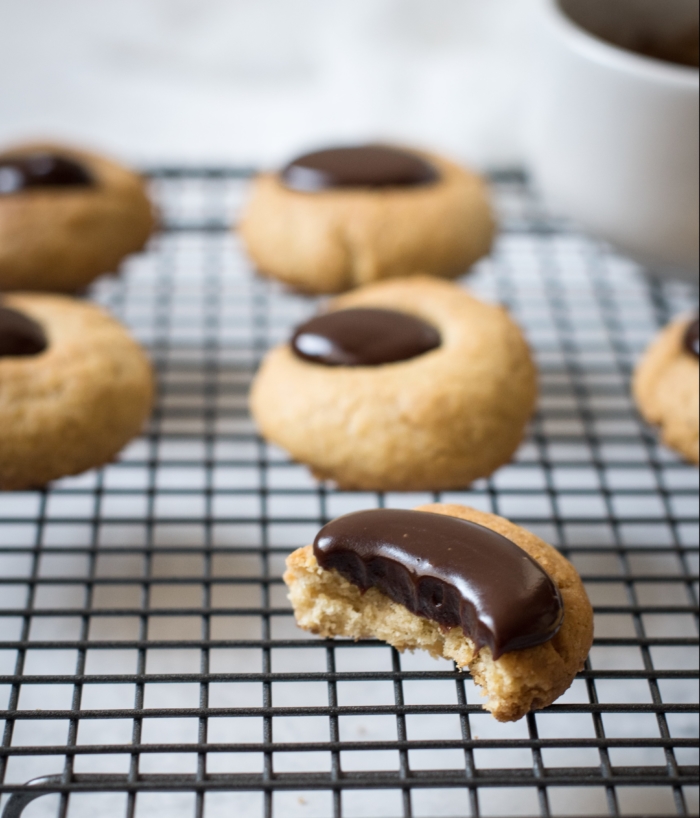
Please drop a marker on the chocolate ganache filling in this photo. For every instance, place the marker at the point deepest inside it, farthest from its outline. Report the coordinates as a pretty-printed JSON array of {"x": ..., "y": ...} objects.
[
  {"x": 20, "y": 336},
  {"x": 372, "y": 166},
  {"x": 448, "y": 570},
  {"x": 691, "y": 340},
  {"x": 363, "y": 337},
  {"x": 36, "y": 170}
]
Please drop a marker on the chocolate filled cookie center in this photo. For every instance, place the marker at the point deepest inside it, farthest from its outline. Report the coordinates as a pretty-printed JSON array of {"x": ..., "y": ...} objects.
[
  {"x": 691, "y": 340},
  {"x": 37, "y": 170},
  {"x": 20, "y": 336},
  {"x": 448, "y": 570},
  {"x": 364, "y": 337},
  {"x": 372, "y": 166}
]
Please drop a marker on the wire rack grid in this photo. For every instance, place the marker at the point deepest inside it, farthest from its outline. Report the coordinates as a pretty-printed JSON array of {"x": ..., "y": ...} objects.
[{"x": 149, "y": 661}]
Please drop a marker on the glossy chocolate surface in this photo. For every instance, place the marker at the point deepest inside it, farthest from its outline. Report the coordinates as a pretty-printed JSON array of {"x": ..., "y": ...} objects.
[
  {"x": 691, "y": 340},
  {"x": 372, "y": 166},
  {"x": 37, "y": 170},
  {"x": 448, "y": 570},
  {"x": 363, "y": 337},
  {"x": 20, "y": 336}
]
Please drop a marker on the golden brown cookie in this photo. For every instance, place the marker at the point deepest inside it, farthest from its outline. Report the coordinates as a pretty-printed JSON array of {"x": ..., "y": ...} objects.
[
  {"x": 333, "y": 239},
  {"x": 436, "y": 421},
  {"x": 518, "y": 681},
  {"x": 74, "y": 388},
  {"x": 667, "y": 389},
  {"x": 66, "y": 216}
]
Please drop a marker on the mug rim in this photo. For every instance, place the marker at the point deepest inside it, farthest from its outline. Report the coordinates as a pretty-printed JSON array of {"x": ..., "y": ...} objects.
[{"x": 595, "y": 48}]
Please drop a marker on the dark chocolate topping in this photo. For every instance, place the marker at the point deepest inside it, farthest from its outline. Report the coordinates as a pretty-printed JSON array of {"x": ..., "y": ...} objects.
[
  {"x": 364, "y": 166},
  {"x": 363, "y": 337},
  {"x": 448, "y": 570},
  {"x": 691, "y": 341},
  {"x": 20, "y": 335},
  {"x": 41, "y": 170}
]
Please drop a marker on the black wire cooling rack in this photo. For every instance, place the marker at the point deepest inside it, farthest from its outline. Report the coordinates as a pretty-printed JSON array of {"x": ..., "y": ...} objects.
[{"x": 149, "y": 661}]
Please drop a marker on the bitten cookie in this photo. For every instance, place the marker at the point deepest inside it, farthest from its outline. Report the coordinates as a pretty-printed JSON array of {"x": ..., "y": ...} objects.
[
  {"x": 458, "y": 583},
  {"x": 410, "y": 384},
  {"x": 66, "y": 216},
  {"x": 667, "y": 389},
  {"x": 342, "y": 218},
  {"x": 74, "y": 389}
]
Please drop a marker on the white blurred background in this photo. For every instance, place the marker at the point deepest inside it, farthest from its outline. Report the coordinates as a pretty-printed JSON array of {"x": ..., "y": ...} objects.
[{"x": 252, "y": 81}]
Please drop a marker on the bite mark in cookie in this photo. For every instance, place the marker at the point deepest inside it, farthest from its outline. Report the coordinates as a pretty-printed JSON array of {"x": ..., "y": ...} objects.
[
  {"x": 454, "y": 572},
  {"x": 327, "y": 603}
]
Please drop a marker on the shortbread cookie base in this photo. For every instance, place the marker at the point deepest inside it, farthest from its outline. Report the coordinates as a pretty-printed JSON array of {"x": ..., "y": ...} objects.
[
  {"x": 438, "y": 421},
  {"x": 332, "y": 240},
  {"x": 77, "y": 404},
  {"x": 667, "y": 390},
  {"x": 328, "y": 605},
  {"x": 60, "y": 239}
]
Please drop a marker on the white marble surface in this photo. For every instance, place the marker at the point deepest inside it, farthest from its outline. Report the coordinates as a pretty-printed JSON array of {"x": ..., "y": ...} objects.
[{"x": 243, "y": 81}]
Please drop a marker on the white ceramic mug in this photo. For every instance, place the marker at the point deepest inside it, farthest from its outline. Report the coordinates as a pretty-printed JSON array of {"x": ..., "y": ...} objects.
[{"x": 613, "y": 135}]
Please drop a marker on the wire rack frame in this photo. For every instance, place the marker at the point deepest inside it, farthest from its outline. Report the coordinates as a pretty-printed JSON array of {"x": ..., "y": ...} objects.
[{"x": 149, "y": 662}]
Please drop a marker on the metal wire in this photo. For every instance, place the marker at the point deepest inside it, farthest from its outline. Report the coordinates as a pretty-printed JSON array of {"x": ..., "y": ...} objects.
[{"x": 149, "y": 663}]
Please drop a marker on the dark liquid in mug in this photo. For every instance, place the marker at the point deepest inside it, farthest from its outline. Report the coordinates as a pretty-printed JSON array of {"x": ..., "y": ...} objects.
[
  {"x": 682, "y": 49},
  {"x": 669, "y": 32}
]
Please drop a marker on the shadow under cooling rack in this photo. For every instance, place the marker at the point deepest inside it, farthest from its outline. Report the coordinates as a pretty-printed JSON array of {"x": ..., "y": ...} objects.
[{"x": 149, "y": 660}]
